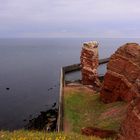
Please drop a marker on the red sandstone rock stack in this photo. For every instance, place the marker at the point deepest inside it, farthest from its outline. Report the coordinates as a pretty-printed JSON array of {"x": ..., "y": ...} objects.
[
  {"x": 130, "y": 129},
  {"x": 122, "y": 80},
  {"x": 89, "y": 63}
]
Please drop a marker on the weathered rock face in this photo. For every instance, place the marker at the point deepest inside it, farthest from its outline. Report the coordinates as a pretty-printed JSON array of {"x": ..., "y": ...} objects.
[
  {"x": 89, "y": 63},
  {"x": 130, "y": 129},
  {"x": 122, "y": 80}
]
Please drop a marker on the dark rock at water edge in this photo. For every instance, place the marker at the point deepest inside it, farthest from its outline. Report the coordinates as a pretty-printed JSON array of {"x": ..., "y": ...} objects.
[
  {"x": 54, "y": 105},
  {"x": 45, "y": 121},
  {"x": 7, "y": 88}
]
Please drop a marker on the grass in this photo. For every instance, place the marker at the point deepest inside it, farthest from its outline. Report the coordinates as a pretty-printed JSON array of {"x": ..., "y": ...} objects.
[
  {"x": 83, "y": 108},
  {"x": 35, "y": 135}
]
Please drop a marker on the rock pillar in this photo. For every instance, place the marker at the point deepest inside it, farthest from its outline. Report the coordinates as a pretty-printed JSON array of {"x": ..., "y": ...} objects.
[{"x": 89, "y": 63}]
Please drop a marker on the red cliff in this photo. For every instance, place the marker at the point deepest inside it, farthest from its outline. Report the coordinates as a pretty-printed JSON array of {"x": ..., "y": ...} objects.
[
  {"x": 122, "y": 80},
  {"x": 130, "y": 129}
]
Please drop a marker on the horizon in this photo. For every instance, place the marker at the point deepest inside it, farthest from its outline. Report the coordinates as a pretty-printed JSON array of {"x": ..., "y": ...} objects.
[{"x": 69, "y": 37}]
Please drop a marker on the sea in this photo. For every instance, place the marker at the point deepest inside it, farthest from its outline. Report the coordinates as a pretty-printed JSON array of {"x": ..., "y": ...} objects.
[{"x": 30, "y": 72}]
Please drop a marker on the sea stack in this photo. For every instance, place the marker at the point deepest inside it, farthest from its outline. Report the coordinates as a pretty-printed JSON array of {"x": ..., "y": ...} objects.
[
  {"x": 89, "y": 62},
  {"x": 122, "y": 80}
]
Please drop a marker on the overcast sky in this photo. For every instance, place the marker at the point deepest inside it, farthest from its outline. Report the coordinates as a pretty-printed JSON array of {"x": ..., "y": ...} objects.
[{"x": 69, "y": 18}]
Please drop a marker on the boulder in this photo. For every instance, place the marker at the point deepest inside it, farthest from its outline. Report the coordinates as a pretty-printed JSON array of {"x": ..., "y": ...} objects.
[{"x": 122, "y": 80}]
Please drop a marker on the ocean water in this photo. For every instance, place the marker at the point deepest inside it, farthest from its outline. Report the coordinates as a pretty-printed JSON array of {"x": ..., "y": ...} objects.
[{"x": 30, "y": 70}]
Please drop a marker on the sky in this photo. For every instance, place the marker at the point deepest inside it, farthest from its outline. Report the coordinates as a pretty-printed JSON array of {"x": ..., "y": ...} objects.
[{"x": 69, "y": 18}]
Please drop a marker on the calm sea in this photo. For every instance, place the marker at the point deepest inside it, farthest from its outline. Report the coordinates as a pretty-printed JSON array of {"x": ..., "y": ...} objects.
[{"x": 29, "y": 74}]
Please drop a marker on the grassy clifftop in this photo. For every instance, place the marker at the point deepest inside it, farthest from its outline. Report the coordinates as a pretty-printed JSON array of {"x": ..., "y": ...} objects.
[{"x": 83, "y": 108}]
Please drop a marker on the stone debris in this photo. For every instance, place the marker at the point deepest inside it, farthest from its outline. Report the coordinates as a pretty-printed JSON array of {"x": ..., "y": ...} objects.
[{"x": 46, "y": 120}]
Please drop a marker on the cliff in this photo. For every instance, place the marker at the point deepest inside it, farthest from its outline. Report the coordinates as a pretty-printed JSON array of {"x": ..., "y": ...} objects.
[
  {"x": 122, "y": 80},
  {"x": 130, "y": 129}
]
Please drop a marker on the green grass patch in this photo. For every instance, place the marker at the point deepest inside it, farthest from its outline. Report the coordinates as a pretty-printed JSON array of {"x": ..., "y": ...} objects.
[{"x": 84, "y": 109}]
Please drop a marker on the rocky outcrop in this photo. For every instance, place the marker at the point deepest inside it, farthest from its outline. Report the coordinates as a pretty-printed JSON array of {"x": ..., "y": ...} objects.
[
  {"x": 122, "y": 80},
  {"x": 130, "y": 129},
  {"x": 89, "y": 63}
]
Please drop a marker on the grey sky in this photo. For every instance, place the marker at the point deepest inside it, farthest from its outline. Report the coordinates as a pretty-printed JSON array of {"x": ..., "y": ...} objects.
[{"x": 69, "y": 18}]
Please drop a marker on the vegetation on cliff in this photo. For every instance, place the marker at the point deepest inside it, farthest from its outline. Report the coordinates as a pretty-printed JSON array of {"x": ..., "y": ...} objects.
[
  {"x": 83, "y": 108},
  {"x": 36, "y": 135}
]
